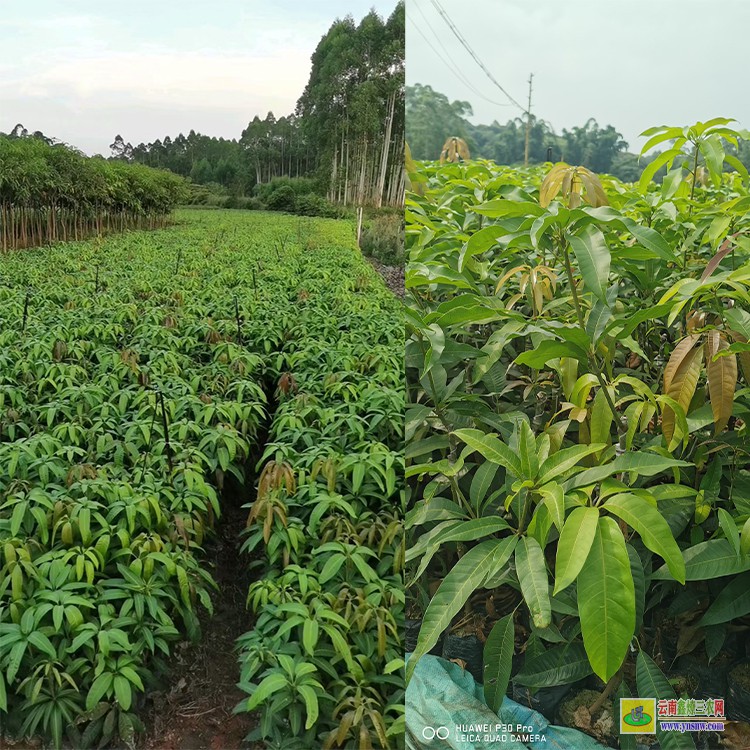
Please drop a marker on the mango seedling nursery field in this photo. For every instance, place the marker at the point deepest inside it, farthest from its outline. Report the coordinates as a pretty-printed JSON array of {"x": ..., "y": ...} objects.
[{"x": 149, "y": 381}]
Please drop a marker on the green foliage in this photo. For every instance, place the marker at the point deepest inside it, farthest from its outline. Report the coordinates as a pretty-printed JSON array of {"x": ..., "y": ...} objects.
[
  {"x": 383, "y": 238},
  {"x": 130, "y": 390},
  {"x": 323, "y": 662},
  {"x": 50, "y": 192},
  {"x": 282, "y": 198},
  {"x": 577, "y": 420}
]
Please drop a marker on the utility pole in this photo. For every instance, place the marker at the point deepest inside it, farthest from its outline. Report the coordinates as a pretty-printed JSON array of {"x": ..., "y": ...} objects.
[{"x": 528, "y": 125}]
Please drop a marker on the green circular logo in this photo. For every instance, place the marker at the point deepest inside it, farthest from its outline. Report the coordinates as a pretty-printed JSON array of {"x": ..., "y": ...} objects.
[{"x": 639, "y": 720}]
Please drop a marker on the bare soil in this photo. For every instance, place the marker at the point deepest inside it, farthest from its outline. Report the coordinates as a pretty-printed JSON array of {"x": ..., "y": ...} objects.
[
  {"x": 196, "y": 712},
  {"x": 392, "y": 275}
]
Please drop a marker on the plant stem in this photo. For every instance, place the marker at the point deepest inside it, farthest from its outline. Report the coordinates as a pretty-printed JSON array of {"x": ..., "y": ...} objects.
[
  {"x": 165, "y": 424},
  {"x": 609, "y": 688},
  {"x": 695, "y": 173},
  {"x": 593, "y": 364},
  {"x": 573, "y": 289}
]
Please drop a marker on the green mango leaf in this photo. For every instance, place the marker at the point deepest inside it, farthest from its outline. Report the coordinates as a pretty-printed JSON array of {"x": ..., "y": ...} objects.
[
  {"x": 41, "y": 642},
  {"x": 713, "y": 153},
  {"x": 711, "y": 559},
  {"x": 738, "y": 320},
  {"x": 527, "y": 452},
  {"x": 502, "y": 208},
  {"x": 732, "y": 602},
  {"x": 123, "y": 692},
  {"x": 492, "y": 449},
  {"x": 729, "y": 527},
  {"x": 549, "y": 350},
  {"x": 574, "y": 545},
  {"x": 560, "y": 665},
  {"x": 593, "y": 258},
  {"x": 554, "y": 499},
  {"x": 468, "y": 531},
  {"x": 652, "y": 683},
  {"x": 498, "y": 566},
  {"x": 652, "y": 528},
  {"x": 479, "y": 242},
  {"x": 99, "y": 687},
  {"x": 606, "y": 600},
  {"x": 597, "y": 320},
  {"x": 531, "y": 568},
  {"x": 641, "y": 463},
  {"x": 565, "y": 459},
  {"x": 745, "y": 538},
  {"x": 738, "y": 166},
  {"x": 652, "y": 240},
  {"x": 267, "y": 687},
  {"x": 464, "y": 578},
  {"x": 665, "y": 158},
  {"x": 601, "y": 418},
  {"x": 481, "y": 483},
  {"x": 498, "y": 656},
  {"x": 311, "y": 704},
  {"x": 639, "y": 585}
]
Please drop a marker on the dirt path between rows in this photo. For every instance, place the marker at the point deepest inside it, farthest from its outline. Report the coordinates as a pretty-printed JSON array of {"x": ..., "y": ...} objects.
[
  {"x": 392, "y": 275},
  {"x": 196, "y": 712}
]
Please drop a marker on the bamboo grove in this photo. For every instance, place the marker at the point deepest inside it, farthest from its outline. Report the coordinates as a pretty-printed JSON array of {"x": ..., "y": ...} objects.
[{"x": 50, "y": 192}]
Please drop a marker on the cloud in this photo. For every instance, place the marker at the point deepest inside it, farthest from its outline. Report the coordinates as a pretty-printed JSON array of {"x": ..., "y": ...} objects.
[{"x": 203, "y": 78}]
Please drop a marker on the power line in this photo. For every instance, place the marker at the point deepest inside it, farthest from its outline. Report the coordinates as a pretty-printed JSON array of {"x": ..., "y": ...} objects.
[
  {"x": 455, "y": 69},
  {"x": 473, "y": 54},
  {"x": 449, "y": 66},
  {"x": 528, "y": 126}
]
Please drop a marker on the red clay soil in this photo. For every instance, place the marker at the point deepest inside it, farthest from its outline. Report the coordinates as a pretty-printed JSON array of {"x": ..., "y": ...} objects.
[{"x": 195, "y": 713}]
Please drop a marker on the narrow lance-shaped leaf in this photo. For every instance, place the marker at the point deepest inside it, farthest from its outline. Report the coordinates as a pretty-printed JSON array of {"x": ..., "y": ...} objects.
[
  {"x": 564, "y": 460},
  {"x": 593, "y": 259},
  {"x": 722, "y": 379},
  {"x": 713, "y": 558},
  {"x": 498, "y": 657},
  {"x": 606, "y": 600},
  {"x": 574, "y": 545},
  {"x": 651, "y": 527},
  {"x": 491, "y": 448},
  {"x": 532, "y": 576},
  {"x": 463, "y": 579},
  {"x": 731, "y": 603},
  {"x": 652, "y": 683}
]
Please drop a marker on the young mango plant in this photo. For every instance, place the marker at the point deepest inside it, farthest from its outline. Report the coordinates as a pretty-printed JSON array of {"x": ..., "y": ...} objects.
[
  {"x": 586, "y": 511},
  {"x": 577, "y": 422}
]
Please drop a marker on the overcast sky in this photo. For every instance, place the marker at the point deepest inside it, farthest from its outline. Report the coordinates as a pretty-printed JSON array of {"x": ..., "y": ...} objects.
[
  {"x": 86, "y": 70},
  {"x": 630, "y": 64}
]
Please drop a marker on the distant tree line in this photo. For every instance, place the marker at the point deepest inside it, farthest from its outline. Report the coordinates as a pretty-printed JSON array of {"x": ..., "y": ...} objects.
[
  {"x": 50, "y": 191},
  {"x": 347, "y": 131},
  {"x": 431, "y": 117}
]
